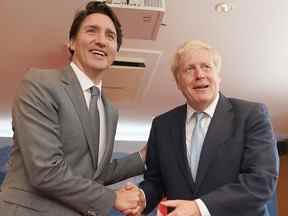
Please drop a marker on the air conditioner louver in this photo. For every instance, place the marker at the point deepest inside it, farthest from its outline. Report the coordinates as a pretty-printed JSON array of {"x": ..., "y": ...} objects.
[{"x": 129, "y": 62}]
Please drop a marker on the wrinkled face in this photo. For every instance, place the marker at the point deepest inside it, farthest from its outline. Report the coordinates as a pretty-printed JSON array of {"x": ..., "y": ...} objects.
[
  {"x": 95, "y": 45},
  {"x": 197, "y": 78}
]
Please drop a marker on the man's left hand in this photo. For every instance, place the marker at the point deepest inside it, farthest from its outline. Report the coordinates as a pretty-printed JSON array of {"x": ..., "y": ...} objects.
[{"x": 182, "y": 207}]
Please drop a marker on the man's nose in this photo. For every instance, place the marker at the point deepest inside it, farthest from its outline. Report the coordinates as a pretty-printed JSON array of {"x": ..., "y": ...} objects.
[
  {"x": 199, "y": 73},
  {"x": 100, "y": 39}
]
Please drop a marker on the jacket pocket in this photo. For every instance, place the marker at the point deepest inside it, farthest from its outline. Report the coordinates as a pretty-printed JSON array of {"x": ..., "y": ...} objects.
[{"x": 22, "y": 199}]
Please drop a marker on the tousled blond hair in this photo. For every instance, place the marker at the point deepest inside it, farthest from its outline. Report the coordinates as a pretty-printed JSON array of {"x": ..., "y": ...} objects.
[{"x": 195, "y": 45}]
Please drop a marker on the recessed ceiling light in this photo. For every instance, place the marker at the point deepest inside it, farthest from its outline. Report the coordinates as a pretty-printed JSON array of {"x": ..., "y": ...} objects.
[{"x": 223, "y": 7}]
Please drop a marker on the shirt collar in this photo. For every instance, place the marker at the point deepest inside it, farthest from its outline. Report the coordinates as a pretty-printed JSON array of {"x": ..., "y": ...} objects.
[
  {"x": 210, "y": 110},
  {"x": 85, "y": 82}
]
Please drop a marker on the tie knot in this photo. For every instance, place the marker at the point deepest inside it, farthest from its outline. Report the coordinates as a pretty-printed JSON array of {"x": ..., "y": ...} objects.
[
  {"x": 199, "y": 116},
  {"x": 95, "y": 92}
]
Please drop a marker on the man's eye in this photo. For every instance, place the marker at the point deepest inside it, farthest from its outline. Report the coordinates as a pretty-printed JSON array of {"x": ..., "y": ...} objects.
[
  {"x": 91, "y": 30},
  {"x": 111, "y": 36},
  {"x": 190, "y": 69},
  {"x": 206, "y": 66}
]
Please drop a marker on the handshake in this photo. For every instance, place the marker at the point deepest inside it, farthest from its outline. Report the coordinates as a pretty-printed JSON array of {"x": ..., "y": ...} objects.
[{"x": 130, "y": 200}]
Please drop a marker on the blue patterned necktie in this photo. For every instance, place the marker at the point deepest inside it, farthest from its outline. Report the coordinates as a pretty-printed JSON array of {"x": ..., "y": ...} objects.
[
  {"x": 198, "y": 136},
  {"x": 95, "y": 119}
]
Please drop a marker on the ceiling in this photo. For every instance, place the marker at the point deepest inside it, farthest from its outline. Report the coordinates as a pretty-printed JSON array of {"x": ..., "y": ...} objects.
[{"x": 252, "y": 39}]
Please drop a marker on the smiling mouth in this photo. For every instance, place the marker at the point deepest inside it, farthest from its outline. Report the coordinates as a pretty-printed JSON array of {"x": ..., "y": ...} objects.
[
  {"x": 98, "y": 52},
  {"x": 201, "y": 87}
]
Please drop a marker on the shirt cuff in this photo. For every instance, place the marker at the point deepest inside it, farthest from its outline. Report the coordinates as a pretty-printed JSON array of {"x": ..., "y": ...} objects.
[
  {"x": 144, "y": 197},
  {"x": 202, "y": 207},
  {"x": 145, "y": 167}
]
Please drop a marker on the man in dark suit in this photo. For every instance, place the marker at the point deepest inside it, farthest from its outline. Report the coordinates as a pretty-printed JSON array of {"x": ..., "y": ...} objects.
[
  {"x": 224, "y": 163},
  {"x": 60, "y": 160}
]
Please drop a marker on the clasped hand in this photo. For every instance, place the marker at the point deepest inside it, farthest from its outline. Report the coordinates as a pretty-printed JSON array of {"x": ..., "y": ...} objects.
[{"x": 130, "y": 200}]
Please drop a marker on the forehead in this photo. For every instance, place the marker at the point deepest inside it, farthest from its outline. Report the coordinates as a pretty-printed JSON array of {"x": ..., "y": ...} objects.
[
  {"x": 195, "y": 56},
  {"x": 99, "y": 20}
]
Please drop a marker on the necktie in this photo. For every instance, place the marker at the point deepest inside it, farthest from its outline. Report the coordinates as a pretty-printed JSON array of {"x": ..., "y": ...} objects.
[
  {"x": 94, "y": 115},
  {"x": 196, "y": 143}
]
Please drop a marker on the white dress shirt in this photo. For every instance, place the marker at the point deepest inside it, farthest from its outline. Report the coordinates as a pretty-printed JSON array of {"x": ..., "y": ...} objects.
[
  {"x": 190, "y": 124},
  {"x": 86, "y": 83}
]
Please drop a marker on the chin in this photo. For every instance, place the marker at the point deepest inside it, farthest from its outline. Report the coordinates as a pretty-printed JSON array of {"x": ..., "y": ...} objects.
[
  {"x": 100, "y": 66},
  {"x": 204, "y": 100}
]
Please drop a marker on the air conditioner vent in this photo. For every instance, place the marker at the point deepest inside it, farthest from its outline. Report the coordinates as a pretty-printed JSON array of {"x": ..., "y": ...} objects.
[
  {"x": 138, "y": 3},
  {"x": 129, "y": 62},
  {"x": 153, "y": 3}
]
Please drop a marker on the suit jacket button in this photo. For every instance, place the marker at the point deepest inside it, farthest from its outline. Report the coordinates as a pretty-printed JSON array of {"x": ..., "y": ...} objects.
[{"x": 91, "y": 213}]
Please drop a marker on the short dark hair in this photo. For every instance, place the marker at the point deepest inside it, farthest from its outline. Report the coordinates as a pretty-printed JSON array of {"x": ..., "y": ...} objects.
[{"x": 91, "y": 8}]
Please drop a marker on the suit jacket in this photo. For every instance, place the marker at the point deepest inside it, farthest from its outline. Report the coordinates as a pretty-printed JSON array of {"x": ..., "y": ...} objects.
[
  {"x": 53, "y": 168},
  {"x": 238, "y": 165}
]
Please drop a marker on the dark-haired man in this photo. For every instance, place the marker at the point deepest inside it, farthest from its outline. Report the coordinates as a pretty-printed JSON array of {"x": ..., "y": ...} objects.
[{"x": 64, "y": 129}]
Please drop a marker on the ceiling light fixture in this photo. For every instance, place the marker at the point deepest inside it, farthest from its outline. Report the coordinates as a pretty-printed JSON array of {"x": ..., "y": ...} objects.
[{"x": 223, "y": 7}]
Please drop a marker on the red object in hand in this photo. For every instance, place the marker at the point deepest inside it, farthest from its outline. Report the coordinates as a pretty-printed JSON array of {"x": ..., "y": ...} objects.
[{"x": 161, "y": 210}]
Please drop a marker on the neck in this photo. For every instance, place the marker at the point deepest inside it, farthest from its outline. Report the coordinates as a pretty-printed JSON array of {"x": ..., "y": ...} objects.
[
  {"x": 95, "y": 75},
  {"x": 199, "y": 107}
]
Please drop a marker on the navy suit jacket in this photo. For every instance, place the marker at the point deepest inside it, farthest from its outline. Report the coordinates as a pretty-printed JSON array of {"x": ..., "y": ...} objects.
[{"x": 238, "y": 166}]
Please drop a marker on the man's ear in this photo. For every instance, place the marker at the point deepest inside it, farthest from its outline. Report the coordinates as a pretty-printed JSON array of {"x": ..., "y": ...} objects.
[
  {"x": 219, "y": 79},
  {"x": 70, "y": 45},
  {"x": 176, "y": 78}
]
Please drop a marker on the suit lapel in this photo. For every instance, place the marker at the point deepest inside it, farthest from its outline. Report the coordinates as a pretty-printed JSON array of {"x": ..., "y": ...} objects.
[
  {"x": 179, "y": 145},
  {"x": 73, "y": 89},
  {"x": 219, "y": 131}
]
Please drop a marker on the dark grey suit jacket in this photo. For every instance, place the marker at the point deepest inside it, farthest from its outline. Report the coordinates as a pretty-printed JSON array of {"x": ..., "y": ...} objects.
[
  {"x": 238, "y": 165},
  {"x": 53, "y": 168}
]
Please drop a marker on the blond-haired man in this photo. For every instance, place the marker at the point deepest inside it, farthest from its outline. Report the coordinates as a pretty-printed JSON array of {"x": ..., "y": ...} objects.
[{"x": 213, "y": 155}]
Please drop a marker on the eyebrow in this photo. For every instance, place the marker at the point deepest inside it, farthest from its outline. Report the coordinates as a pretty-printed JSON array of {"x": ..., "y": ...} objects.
[{"x": 109, "y": 30}]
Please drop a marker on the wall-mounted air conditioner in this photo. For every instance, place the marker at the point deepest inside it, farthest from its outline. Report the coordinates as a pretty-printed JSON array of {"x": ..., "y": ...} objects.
[
  {"x": 140, "y": 19},
  {"x": 130, "y": 76}
]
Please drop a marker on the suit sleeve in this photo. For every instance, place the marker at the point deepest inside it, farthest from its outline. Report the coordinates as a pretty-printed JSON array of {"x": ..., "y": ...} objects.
[
  {"x": 258, "y": 172},
  {"x": 152, "y": 185},
  {"x": 37, "y": 132},
  {"x": 122, "y": 168}
]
